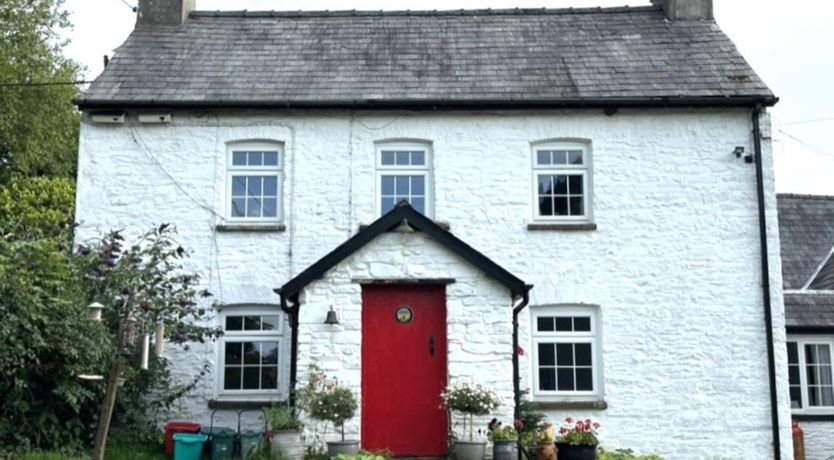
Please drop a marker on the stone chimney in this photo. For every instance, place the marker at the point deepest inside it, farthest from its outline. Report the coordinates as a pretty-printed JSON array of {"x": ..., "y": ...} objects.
[
  {"x": 164, "y": 12},
  {"x": 686, "y": 10}
]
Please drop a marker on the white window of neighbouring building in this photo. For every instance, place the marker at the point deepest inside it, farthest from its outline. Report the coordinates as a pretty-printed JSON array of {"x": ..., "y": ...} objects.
[
  {"x": 562, "y": 181},
  {"x": 404, "y": 173},
  {"x": 251, "y": 352},
  {"x": 254, "y": 182},
  {"x": 566, "y": 349},
  {"x": 810, "y": 373}
]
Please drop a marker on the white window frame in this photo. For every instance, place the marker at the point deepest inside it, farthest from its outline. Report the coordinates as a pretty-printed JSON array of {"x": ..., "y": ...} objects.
[
  {"x": 276, "y": 171},
  {"x": 594, "y": 337},
  {"x": 277, "y": 335},
  {"x": 404, "y": 170},
  {"x": 801, "y": 341},
  {"x": 584, "y": 170}
]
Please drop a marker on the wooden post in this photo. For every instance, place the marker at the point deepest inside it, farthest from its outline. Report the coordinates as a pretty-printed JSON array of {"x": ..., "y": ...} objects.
[{"x": 107, "y": 408}]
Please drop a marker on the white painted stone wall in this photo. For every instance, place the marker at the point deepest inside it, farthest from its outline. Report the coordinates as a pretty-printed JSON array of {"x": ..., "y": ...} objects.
[
  {"x": 819, "y": 440},
  {"x": 673, "y": 265}
]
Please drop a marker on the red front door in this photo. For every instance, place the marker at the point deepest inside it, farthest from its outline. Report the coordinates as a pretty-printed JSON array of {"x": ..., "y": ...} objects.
[{"x": 404, "y": 369}]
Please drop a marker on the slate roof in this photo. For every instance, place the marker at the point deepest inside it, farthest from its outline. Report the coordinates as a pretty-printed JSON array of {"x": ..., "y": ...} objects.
[
  {"x": 560, "y": 57},
  {"x": 806, "y": 233}
]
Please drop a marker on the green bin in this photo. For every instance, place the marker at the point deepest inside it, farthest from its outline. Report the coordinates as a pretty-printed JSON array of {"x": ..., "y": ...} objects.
[
  {"x": 188, "y": 446},
  {"x": 222, "y": 442},
  {"x": 250, "y": 442}
]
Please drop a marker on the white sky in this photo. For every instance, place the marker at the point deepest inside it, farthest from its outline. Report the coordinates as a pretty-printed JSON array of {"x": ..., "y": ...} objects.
[{"x": 788, "y": 42}]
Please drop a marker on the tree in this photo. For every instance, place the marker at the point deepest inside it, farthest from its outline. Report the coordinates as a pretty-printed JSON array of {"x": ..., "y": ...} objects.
[{"x": 38, "y": 123}]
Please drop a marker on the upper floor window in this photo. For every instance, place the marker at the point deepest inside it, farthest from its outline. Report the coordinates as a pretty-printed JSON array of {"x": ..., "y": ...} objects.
[
  {"x": 251, "y": 351},
  {"x": 254, "y": 178},
  {"x": 404, "y": 173},
  {"x": 565, "y": 351},
  {"x": 810, "y": 373},
  {"x": 561, "y": 174}
]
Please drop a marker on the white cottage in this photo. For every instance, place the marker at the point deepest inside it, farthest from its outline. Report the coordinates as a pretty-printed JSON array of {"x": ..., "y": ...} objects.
[{"x": 573, "y": 204}]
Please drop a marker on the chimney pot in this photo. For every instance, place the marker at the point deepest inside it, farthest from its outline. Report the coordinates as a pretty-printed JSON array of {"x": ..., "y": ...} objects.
[
  {"x": 686, "y": 10},
  {"x": 164, "y": 12}
]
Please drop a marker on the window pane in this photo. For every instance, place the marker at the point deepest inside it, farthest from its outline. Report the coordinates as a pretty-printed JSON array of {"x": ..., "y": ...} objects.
[
  {"x": 793, "y": 353},
  {"x": 419, "y": 204},
  {"x": 564, "y": 379},
  {"x": 401, "y": 185},
  {"x": 544, "y": 324},
  {"x": 253, "y": 207},
  {"x": 387, "y": 185},
  {"x": 560, "y": 206},
  {"x": 231, "y": 378},
  {"x": 793, "y": 375},
  {"x": 546, "y": 356},
  {"x": 402, "y": 158},
  {"x": 543, "y": 157},
  {"x": 253, "y": 185},
  {"x": 582, "y": 323},
  {"x": 563, "y": 323},
  {"x": 824, "y": 354},
  {"x": 560, "y": 185},
  {"x": 251, "y": 353},
  {"x": 583, "y": 354},
  {"x": 255, "y": 159},
  {"x": 269, "y": 378},
  {"x": 560, "y": 157},
  {"x": 239, "y": 158},
  {"x": 388, "y": 157},
  {"x": 233, "y": 353},
  {"x": 270, "y": 207},
  {"x": 252, "y": 323},
  {"x": 564, "y": 354},
  {"x": 575, "y": 157},
  {"x": 547, "y": 379},
  {"x": 270, "y": 186},
  {"x": 418, "y": 158},
  {"x": 575, "y": 184},
  {"x": 251, "y": 378},
  {"x": 813, "y": 396},
  {"x": 269, "y": 353},
  {"x": 811, "y": 375},
  {"x": 418, "y": 185},
  {"x": 271, "y": 322},
  {"x": 546, "y": 206},
  {"x": 576, "y": 206},
  {"x": 584, "y": 380},
  {"x": 810, "y": 354},
  {"x": 796, "y": 397},
  {"x": 826, "y": 396},
  {"x": 270, "y": 158},
  {"x": 387, "y": 204},
  {"x": 239, "y": 185},
  {"x": 545, "y": 185},
  {"x": 234, "y": 323},
  {"x": 239, "y": 207}
]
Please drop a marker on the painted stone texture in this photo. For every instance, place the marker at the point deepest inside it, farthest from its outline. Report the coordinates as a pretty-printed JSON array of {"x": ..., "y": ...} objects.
[{"x": 673, "y": 264}]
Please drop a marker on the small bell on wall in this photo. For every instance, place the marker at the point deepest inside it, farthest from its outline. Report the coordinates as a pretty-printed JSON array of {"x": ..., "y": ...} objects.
[{"x": 332, "y": 318}]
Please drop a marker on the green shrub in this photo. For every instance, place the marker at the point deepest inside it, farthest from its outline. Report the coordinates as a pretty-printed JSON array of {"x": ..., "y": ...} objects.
[
  {"x": 283, "y": 418},
  {"x": 624, "y": 454},
  {"x": 37, "y": 207}
]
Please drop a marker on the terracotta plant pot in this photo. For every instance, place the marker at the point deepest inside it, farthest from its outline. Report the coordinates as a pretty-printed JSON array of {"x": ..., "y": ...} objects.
[
  {"x": 571, "y": 452},
  {"x": 335, "y": 448},
  {"x": 545, "y": 451},
  {"x": 470, "y": 450},
  {"x": 288, "y": 443}
]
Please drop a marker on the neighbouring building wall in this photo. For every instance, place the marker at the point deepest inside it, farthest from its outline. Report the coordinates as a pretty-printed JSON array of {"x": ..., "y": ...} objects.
[{"x": 673, "y": 264}]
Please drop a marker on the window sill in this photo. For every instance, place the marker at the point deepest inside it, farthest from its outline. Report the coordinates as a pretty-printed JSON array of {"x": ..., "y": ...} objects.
[
  {"x": 562, "y": 227},
  {"x": 255, "y": 228},
  {"x": 570, "y": 405},
  {"x": 813, "y": 417},
  {"x": 441, "y": 224},
  {"x": 243, "y": 404}
]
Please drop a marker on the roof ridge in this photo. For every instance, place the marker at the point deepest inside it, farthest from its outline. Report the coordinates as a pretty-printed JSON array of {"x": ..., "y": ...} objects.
[
  {"x": 437, "y": 13},
  {"x": 805, "y": 196}
]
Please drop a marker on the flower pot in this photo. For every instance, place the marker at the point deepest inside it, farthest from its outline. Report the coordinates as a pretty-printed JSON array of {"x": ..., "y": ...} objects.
[
  {"x": 470, "y": 450},
  {"x": 545, "y": 451},
  {"x": 335, "y": 448},
  {"x": 505, "y": 450},
  {"x": 572, "y": 452},
  {"x": 288, "y": 443}
]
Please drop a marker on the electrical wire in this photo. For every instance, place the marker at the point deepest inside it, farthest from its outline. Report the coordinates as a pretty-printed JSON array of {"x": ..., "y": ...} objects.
[
  {"x": 132, "y": 8},
  {"x": 802, "y": 122}
]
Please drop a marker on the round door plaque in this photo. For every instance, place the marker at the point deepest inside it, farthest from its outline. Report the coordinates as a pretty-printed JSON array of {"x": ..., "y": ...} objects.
[{"x": 404, "y": 314}]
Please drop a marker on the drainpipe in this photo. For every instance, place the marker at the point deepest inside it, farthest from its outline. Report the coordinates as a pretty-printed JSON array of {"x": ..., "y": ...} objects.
[
  {"x": 292, "y": 314},
  {"x": 525, "y": 299},
  {"x": 768, "y": 318}
]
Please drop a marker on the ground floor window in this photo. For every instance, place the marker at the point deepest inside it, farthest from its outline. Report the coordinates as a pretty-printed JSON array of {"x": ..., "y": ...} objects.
[
  {"x": 250, "y": 352},
  {"x": 565, "y": 351},
  {"x": 810, "y": 372}
]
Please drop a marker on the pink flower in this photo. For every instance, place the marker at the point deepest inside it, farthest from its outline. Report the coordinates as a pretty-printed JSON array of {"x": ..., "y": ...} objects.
[
  {"x": 519, "y": 351},
  {"x": 596, "y": 425},
  {"x": 563, "y": 430},
  {"x": 569, "y": 420}
]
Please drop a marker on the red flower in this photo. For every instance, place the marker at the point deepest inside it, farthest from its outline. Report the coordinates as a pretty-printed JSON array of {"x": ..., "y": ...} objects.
[
  {"x": 563, "y": 430},
  {"x": 518, "y": 424},
  {"x": 569, "y": 420},
  {"x": 519, "y": 351}
]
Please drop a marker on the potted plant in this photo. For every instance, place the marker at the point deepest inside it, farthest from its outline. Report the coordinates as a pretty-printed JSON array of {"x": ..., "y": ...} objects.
[
  {"x": 578, "y": 440},
  {"x": 504, "y": 441},
  {"x": 545, "y": 449},
  {"x": 336, "y": 404},
  {"x": 285, "y": 432},
  {"x": 470, "y": 400}
]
